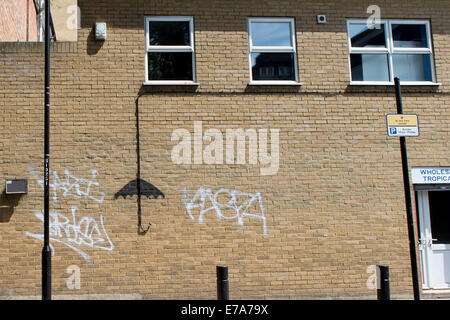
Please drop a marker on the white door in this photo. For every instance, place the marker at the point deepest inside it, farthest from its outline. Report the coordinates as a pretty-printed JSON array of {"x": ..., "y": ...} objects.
[{"x": 434, "y": 242}]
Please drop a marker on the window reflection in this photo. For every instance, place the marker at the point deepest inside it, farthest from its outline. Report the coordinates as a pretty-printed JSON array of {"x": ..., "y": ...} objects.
[
  {"x": 169, "y": 33},
  {"x": 170, "y": 66},
  {"x": 412, "y": 67},
  {"x": 439, "y": 216},
  {"x": 271, "y": 34},
  {"x": 273, "y": 66},
  {"x": 369, "y": 67},
  {"x": 362, "y": 36},
  {"x": 409, "y": 35}
]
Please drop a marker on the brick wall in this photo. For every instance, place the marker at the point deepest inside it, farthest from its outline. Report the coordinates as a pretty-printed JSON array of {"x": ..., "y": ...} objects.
[
  {"x": 18, "y": 21},
  {"x": 335, "y": 206}
]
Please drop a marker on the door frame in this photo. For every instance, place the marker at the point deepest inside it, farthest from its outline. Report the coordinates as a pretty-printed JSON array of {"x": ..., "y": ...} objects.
[{"x": 426, "y": 246}]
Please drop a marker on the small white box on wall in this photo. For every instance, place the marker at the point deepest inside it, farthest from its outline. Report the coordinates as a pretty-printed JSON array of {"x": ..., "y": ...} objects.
[
  {"x": 321, "y": 18},
  {"x": 100, "y": 31}
]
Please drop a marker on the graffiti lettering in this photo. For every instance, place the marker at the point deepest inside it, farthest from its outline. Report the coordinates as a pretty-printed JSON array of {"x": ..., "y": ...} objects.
[
  {"x": 240, "y": 209},
  {"x": 71, "y": 186},
  {"x": 75, "y": 233}
]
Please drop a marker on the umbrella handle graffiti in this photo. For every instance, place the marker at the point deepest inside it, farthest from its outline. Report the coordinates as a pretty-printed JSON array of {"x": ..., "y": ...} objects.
[{"x": 142, "y": 230}]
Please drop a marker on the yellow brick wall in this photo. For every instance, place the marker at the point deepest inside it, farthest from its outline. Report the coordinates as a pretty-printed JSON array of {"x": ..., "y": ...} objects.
[{"x": 335, "y": 207}]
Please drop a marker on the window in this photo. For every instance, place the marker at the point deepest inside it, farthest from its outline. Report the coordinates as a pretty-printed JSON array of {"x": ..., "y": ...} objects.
[
  {"x": 272, "y": 51},
  {"x": 398, "y": 48},
  {"x": 170, "y": 55}
]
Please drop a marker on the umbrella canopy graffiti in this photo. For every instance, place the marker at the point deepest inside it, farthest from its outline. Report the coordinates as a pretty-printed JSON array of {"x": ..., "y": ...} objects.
[{"x": 144, "y": 188}]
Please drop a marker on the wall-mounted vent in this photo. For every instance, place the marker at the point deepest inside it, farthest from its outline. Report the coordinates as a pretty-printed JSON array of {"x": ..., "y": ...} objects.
[{"x": 19, "y": 186}]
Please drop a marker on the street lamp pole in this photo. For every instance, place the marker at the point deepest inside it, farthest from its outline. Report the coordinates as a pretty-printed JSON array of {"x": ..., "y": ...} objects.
[{"x": 46, "y": 252}]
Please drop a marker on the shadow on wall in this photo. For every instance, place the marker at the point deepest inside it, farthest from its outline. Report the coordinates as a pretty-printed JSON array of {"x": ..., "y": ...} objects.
[
  {"x": 93, "y": 45},
  {"x": 7, "y": 204}
]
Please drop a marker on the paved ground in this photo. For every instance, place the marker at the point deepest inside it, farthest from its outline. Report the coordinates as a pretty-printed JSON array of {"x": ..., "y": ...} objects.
[{"x": 424, "y": 296}]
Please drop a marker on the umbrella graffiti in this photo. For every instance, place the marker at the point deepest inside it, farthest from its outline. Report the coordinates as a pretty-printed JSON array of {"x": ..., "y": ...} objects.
[
  {"x": 144, "y": 188},
  {"x": 139, "y": 186}
]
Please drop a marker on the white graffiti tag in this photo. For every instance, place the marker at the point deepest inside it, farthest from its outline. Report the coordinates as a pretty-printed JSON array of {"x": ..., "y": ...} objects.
[
  {"x": 240, "y": 209},
  {"x": 71, "y": 186},
  {"x": 75, "y": 232}
]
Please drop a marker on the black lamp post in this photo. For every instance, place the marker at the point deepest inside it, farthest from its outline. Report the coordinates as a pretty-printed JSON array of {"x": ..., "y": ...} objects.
[{"x": 46, "y": 253}]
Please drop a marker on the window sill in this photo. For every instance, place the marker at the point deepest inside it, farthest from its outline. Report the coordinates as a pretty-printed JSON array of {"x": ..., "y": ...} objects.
[
  {"x": 382, "y": 83},
  {"x": 434, "y": 291},
  {"x": 274, "y": 83},
  {"x": 171, "y": 83}
]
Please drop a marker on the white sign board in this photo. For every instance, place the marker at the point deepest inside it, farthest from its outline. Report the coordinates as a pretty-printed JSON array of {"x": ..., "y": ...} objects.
[
  {"x": 402, "y": 125},
  {"x": 431, "y": 175}
]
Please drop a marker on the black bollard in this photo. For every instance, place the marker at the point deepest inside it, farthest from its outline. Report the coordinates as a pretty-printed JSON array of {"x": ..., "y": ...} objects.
[
  {"x": 222, "y": 283},
  {"x": 383, "y": 287}
]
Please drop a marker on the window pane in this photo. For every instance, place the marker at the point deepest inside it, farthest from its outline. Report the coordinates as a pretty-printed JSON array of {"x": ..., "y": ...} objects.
[
  {"x": 440, "y": 215},
  {"x": 169, "y": 33},
  {"x": 362, "y": 36},
  {"x": 170, "y": 66},
  {"x": 409, "y": 35},
  {"x": 271, "y": 34},
  {"x": 412, "y": 67},
  {"x": 369, "y": 67},
  {"x": 273, "y": 66}
]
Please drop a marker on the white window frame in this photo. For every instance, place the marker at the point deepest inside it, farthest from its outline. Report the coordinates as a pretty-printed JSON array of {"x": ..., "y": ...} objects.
[
  {"x": 273, "y": 49},
  {"x": 156, "y": 48},
  {"x": 390, "y": 50}
]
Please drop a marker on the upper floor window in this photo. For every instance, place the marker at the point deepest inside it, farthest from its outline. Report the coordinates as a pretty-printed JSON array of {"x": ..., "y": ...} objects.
[
  {"x": 398, "y": 48},
  {"x": 170, "y": 55},
  {"x": 272, "y": 51}
]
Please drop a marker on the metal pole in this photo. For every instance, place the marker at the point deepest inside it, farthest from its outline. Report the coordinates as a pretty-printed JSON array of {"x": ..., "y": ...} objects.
[
  {"x": 46, "y": 254},
  {"x": 222, "y": 283},
  {"x": 383, "y": 287},
  {"x": 141, "y": 229},
  {"x": 409, "y": 215}
]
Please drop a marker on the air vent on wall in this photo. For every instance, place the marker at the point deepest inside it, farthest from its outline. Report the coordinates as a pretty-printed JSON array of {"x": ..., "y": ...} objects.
[{"x": 19, "y": 186}]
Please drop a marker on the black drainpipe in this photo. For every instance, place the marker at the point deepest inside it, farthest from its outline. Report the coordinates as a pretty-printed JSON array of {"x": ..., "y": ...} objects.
[{"x": 138, "y": 172}]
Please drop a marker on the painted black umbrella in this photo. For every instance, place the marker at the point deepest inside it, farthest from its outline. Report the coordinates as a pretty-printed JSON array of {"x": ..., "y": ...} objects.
[
  {"x": 139, "y": 186},
  {"x": 146, "y": 189}
]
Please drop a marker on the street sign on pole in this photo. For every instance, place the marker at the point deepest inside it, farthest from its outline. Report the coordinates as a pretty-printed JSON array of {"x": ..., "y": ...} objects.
[{"x": 402, "y": 125}]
